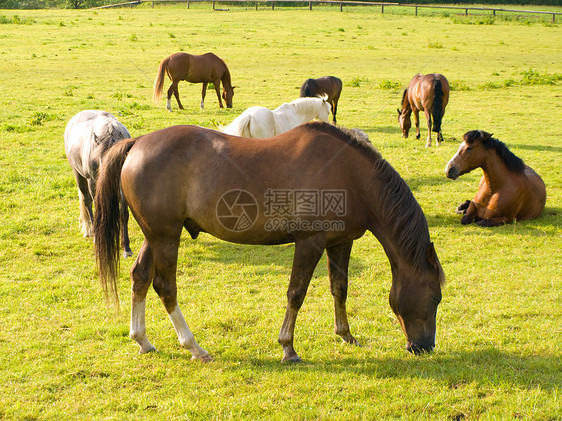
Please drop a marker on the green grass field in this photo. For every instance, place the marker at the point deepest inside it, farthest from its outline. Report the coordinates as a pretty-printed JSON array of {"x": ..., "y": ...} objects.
[{"x": 65, "y": 355}]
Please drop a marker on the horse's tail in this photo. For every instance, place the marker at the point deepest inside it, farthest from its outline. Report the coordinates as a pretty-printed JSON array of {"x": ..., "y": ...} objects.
[
  {"x": 107, "y": 222},
  {"x": 308, "y": 88},
  {"x": 159, "y": 81},
  {"x": 437, "y": 105},
  {"x": 240, "y": 126}
]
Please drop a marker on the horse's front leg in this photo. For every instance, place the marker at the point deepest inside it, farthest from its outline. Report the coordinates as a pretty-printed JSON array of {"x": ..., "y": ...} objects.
[
  {"x": 217, "y": 84},
  {"x": 417, "y": 122},
  {"x": 203, "y": 93},
  {"x": 470, "y": 214},
  {"x": 428, "y": 119},
  {"x": 338, "y": 263},
  {"x": 307, "y": 255}
]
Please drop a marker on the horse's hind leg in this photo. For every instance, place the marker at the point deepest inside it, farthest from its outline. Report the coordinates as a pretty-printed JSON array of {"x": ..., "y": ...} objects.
[
  {"x": 338, "y": 263},
  {"x": 417, "y": 122},
  {"x": 174, "y": 90},
  {"x": 165, "y": 252},
  {"x": 334, "y": 109},
  {"x": 85, "y": 199},
  {"x": 307, "y": 255},
  {"x": 124, "y": 210},
  {"x": 141, "y": 276},
  {"x": 428, "y": 119}
]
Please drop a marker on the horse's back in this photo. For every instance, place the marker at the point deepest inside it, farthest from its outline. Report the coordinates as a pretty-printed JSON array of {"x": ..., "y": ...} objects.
[{"x": 86, "y": 131}]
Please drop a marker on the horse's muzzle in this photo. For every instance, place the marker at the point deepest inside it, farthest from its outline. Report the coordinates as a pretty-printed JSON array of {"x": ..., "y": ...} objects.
[
  {"x": 452, "y": 172},
  {"x": 417, "y": 349}
]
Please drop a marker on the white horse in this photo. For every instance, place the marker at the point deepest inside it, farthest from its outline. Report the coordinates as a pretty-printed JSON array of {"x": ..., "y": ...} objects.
[
  {"x": 88, "y": 135},
  {"x": 261, "y": 122}
]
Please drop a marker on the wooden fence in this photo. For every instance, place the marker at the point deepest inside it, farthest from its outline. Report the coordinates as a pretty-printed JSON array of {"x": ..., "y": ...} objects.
[{"x": 339, "y": 3}]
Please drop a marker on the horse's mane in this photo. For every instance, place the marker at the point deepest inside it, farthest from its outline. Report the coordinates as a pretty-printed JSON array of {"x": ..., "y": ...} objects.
[
  {"x": 399, "y": 208},
  {"x": 511, "y": 161},
  {"x": 404, "y": 97}
]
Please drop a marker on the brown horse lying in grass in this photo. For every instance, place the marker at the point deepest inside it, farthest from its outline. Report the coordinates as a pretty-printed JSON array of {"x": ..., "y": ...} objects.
[
  {"x": 509, "y": 189},
  {"x": 327, "y": 85},
  {"x": 430, "y": 94},
  {"x": 315, "y": 185},
  {"x": 207, "y": 68}
]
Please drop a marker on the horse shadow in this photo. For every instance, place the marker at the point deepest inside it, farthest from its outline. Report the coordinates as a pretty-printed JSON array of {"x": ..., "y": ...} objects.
[{"x": 455, "y": 369}]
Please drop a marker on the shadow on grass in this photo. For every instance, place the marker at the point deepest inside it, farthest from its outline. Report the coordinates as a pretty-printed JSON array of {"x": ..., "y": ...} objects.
[{"x": 486, "y": 366}]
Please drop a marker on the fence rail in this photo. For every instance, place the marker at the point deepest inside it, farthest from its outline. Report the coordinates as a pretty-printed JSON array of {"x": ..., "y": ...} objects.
[{"x": 341, "y": 3}]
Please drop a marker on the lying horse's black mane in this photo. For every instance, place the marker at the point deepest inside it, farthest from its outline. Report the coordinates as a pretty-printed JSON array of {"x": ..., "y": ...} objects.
[{"x": 511, "y": 161}]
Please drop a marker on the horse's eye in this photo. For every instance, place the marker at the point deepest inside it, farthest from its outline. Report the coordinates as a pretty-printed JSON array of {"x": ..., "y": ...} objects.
[{"x": 469, "y": 148}]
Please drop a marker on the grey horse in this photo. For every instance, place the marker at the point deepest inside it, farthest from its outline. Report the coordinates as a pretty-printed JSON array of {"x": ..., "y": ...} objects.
[{"x": 88, "y": 135}]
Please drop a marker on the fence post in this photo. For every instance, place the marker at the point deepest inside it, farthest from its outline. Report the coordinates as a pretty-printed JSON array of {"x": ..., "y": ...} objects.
[
  {"x": 416, "y": 10},
  {"x": 466, "y": 12},
  {"x": 272, "y": 5},
  {"x": 341, "y": 9},
  {"x": 153, "y": 5},
  {"x": 309, "y": 5},
  {"x": 382, "y": 8}
]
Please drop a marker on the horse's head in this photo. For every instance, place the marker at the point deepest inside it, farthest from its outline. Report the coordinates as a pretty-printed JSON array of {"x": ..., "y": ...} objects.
[
  {"x": 227, "y": 95},
  {"x": 405, "y": 122},
  {"x": 325, "y": 109},
  {"x": 414, "y": 297},
  {"x": 470, "y": 155}
]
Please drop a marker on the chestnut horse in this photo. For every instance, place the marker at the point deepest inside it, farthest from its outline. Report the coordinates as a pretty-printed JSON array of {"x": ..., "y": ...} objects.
[
  {"x": 326, "y": 85},
  {"x": 430, "y": 94},
  {"x": 195, "y": 69},
  {"x": 88, "y": 135},
  {"x": 315, "y": 185},
  {"x": 509, "y": 189}
]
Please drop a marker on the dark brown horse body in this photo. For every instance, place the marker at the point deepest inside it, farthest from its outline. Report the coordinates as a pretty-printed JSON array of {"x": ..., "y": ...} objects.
[
  {"x": 206, "y": 68},
  {"x": 327, "y": 85},
  {"x": 315, "y": 185},
  {"x": 508, "y": 190},
  {"x": 430, "y": 94}
]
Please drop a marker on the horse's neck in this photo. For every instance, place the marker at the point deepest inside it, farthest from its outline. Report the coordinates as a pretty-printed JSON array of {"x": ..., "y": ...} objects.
[
  {"x": 494, "y": 171},
  {"x": 306, "y": 110}
]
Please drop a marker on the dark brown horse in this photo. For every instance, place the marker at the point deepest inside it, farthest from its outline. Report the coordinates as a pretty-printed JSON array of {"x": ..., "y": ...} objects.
[
  {"x": 203, "y": 69},
  {"x": 327, "y": 85},
  {"x": 430, "y": 94},
  {"x": 315, "y": 185},
  {"x": 508, "y": 190}
]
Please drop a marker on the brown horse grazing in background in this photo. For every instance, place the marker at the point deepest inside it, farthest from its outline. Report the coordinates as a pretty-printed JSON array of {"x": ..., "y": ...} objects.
[
  {"x": 315, "y": 185},
  {"x": 195, "y": 69},
  {"x": 508, "y": 190},
  {"x": 327, "y": 85},
  {"x": 430, "y": 94}
]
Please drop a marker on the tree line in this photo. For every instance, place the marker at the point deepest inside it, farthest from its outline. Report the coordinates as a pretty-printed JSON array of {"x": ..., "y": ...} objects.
[{"x": 84, "y": 4}]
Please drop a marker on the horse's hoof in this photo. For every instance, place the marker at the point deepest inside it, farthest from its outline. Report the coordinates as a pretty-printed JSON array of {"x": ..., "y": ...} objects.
[
  {"x": 147, "y": 350},
  {"x": 294, "y": 359},
  {"x": 428, "y": 145},
  {"x": 203, "y": 358},
  {"x": 127, "y": 253}
]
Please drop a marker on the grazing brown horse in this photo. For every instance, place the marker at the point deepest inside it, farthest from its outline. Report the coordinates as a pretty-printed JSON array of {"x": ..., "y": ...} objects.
[
  {"x": 508, "y": 190},
  {"x": 430, "y": 94},
  {"x": 315, "y": 185},
  {"x": 327, "y": 85},
  {"x": 195, "y": 69}
]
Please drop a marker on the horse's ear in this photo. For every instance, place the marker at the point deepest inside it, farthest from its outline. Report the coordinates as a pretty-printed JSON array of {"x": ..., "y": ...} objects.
[
  {"x": 431, "y": 255},
  {"x": 485, "y": 135}
]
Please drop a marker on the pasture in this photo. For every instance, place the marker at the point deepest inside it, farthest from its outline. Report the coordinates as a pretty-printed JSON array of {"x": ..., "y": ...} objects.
[{"x": 64, "y": 354}]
